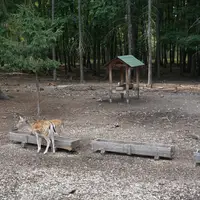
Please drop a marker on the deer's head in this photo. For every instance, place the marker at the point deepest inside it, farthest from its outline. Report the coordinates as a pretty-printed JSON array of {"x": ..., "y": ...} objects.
[{"x": 22, "y": 122}]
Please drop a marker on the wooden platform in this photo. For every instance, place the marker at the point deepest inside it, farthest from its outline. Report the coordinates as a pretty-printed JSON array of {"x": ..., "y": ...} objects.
[
  {"x": 133, "y": 148},
  {"x": 60, "y": 142}
]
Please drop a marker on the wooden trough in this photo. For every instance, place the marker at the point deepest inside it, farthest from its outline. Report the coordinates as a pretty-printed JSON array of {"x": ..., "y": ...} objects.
[
  {"x": 133, "y": 148},
  {"x": 60, "y": 142}
]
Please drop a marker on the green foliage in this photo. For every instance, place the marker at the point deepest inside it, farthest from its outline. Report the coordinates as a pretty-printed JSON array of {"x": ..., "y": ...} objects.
[
  {"x": 182, "y": 27},
  {"x": 104, "y": 30},
  {"x": 27, "y": 41}
]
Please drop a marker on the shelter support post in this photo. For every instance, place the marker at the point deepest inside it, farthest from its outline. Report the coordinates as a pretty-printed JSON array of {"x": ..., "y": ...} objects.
[
  {"x": 110, "y": 82},
  {"x": 122, "y": 80},
  {"x": 127, "y": 84},
  {"x": 137, "y": 82}
]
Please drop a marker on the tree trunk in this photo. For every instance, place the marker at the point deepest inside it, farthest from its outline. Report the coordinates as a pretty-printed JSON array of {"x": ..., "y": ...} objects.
[
  {"x": 165, "y": 55},
  {"x": 94, "y": 56},
  {"x": 170, "y": 56},
  {"x": 190, "y": 54},
  {"x": 64, "y": 53},
  {"x": 53, "y": 48},
  {"x": 98, "y": 58},
  {"x": 134, "y": 30},
  {"x": 88, "y": 61},
  {"x": 4, "y": 8},
  {"x": 130, "y": 34},
  {"x": 158, "y": 42},
  {"x": 149, "y": 45},
  {"x": 38, "y": 94},
  {"x": 80, "y": 42},
  {"x": 181, "y": 61},
  {"x": 69, "y": 63}
]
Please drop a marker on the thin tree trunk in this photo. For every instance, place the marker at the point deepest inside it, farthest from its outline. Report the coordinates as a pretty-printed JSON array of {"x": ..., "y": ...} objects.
[
  {"x": 64, "y": 53},
  {"x": 134, "y": 30},
  {"x": 98, "y": 58},
  {"x": 80, "y": 42},
  {"x": 4, "y": 8},
  {"x": 158, "y": 42},
  {"x": 88, "y": 61},
  {"x": 149, "y": 45},
  {"x": 94, "y": 56},
  {"x": 53, "y": 48},
  {"x": 38, "y": 94},
  {"x": 181, "y": 61},
  {"x": 130, "y": 34},
  {"x": 165, "y": 55},
  {"x": 69, "y": 63},
  {"x": 170, "y": 56},
  {"x": 189, "y": 64}
]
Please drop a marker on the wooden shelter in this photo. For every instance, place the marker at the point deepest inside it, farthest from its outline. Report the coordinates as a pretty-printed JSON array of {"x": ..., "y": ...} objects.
[{"x": 125, "y": 63}]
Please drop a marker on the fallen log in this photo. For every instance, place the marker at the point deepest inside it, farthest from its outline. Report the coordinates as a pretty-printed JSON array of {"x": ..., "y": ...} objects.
[
  {"x": 133, "y": 148},
  {"x": 60, "y": 142}
]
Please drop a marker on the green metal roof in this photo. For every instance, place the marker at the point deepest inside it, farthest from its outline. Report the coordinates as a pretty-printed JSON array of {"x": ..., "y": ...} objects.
[{"x": 131, "y": 60}]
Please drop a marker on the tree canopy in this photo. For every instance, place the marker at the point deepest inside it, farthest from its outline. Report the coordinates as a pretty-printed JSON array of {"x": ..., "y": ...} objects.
[{"x": 26, "y": 41}]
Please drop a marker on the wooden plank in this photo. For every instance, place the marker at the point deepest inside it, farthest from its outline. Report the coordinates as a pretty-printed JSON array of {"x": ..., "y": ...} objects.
[
  {"x": 119, "y": 91},
  {"x": 119, "y": 88},
  {"x": 60, "y": 142},
  {"x": 127, "y": 84},
  {"x": 121, "y": 81},
  {"x": 134, "y": 148},
  {"x": 137, "y": 82},
  {"x": 120, "y": 65}
]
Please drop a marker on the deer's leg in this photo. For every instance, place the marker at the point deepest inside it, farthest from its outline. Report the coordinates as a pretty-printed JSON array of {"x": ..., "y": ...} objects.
[
  {"x": 39, "y": 141},
  {"x": 48, "y": 144},
  {"x": 39, "y": 144},
  {"x": 52, "y": 131},
  {"x": 53, "y": 142}
]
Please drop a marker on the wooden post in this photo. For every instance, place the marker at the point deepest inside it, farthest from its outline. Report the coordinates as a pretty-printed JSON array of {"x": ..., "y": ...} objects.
[
  {"x": 137, "y": 82},
  {"x": 110, "y": 82},
  {"x": 127, "y": 83},
  {"x": 122, "y": 79}
]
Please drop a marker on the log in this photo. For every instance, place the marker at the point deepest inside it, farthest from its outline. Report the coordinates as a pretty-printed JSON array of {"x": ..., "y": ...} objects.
[
  {"x": 60, "y": 142},
  {"x": 133, "y": 148}
]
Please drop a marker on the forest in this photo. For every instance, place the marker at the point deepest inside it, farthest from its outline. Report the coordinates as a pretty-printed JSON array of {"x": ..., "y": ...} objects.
[{"x": 41, "y": 35}]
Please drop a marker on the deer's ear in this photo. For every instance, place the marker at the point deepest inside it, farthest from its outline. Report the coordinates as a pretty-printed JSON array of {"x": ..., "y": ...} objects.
[{"x": 20, "y": 117}]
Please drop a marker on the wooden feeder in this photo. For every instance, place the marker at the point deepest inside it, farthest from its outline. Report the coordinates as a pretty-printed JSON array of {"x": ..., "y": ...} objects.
[
  {"x": 124, "y": 63},
  {"x": 60, "y": 142},
  {"x": 134, "y": 148},
  {"x": 197, "y": 157}
]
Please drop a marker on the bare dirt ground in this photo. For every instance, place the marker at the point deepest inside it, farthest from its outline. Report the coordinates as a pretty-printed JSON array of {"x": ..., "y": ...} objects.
[{"x": 170, "y": 117}]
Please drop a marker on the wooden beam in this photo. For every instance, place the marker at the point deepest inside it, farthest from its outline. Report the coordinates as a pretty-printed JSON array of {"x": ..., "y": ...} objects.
[
  {"x": 127, "y": 84},
  {"x": 60, "y": 142},
  {"x": 110, "y": 82},
  {"x": 138, "y": 82},
  {"x": 122, "y": 80},
  {"x": 120, "y": 65},
  {"x": 134, "y": 148}
]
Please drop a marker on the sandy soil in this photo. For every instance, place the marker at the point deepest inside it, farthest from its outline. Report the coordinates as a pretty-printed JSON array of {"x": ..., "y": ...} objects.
[{"x": 170, "y": 117}]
